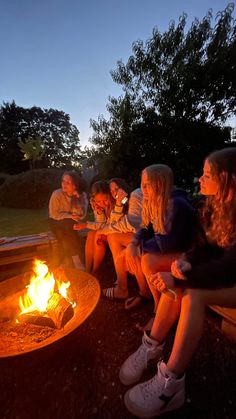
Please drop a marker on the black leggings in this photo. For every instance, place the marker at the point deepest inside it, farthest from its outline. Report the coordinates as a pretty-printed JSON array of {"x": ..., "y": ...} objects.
[{"x": 66, "y": 236}]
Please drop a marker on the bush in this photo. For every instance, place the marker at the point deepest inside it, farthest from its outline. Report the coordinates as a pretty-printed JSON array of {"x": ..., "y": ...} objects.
[
  {"x": 31, "y": 189},
  {"x": 3, "y": 177}
]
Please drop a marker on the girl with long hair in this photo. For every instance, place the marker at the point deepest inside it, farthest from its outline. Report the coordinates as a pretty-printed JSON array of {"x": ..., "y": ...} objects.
[
  {"x": 205, "y": 276},
  {"x": 167, "y": 228},
  {"x": 124, "y": 222},
  {"x": 117, "y": 216},
  {"x": 67, "y": 205},
  {"x": 101, "y": 203}
]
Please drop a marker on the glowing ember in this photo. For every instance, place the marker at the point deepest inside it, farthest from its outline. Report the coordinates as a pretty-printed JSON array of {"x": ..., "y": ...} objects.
[{"x": 41, "y": 288}]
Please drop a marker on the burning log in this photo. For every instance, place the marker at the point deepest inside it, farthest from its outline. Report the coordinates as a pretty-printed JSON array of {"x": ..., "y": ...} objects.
[
  {"x": 59, "y": 312},
  {"x": 36, "y": 318}
]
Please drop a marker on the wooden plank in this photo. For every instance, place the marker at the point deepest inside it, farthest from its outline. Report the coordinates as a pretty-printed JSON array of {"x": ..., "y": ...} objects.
[
  {"x": 228, "y": 320},
  {"x": 227, "y": 313},
  {"x": 229, "y": 329},
  {"x": 7, "y": 260},
  {"x": 13, "y": 243}
]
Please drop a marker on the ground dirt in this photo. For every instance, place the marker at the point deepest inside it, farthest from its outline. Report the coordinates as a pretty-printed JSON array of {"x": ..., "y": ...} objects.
[{"x": 77, "y": 377}]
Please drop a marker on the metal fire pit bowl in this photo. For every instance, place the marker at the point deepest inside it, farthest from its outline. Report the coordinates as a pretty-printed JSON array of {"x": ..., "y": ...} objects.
[{"x": 84, "y": 290}]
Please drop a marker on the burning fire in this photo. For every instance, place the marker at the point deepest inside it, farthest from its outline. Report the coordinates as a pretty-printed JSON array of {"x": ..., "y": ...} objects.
[{"x": 41, "y": 288}]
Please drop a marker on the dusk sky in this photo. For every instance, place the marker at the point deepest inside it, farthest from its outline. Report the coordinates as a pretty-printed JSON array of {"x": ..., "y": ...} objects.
[{"x": 59, "y": 53}]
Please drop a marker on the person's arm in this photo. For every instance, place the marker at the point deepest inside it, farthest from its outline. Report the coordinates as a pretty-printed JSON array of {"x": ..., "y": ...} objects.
[
  {"x": 80, "y": 206},
  {"x": 129, "y": 222},
  {"x": 217, "y": 273},
  {"x": 180, "y": 235},
  {"x": 100, "y": 220},
  {"x": 118, "y": 210},
  {"x": 55, "y": 207}
]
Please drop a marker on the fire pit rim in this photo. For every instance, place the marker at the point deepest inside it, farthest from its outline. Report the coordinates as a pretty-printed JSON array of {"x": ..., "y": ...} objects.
[{"x": 87, "y": 293}]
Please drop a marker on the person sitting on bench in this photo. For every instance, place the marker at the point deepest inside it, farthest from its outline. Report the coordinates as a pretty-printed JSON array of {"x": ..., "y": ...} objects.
[
  {"x": 67, "y": 205},
  {"x": 205, "y": 276}
]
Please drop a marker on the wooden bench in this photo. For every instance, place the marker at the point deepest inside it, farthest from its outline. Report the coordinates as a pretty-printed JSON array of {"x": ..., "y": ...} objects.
[
  {"x": 228, "y": 320},
  {"x": 15, "y": 250}
]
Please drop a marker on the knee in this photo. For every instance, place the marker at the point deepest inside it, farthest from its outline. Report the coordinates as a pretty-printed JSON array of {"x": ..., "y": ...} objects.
[
  {"x": 112, "y": 238},
  {"x": 146, "y": 264},
  {"x": 91, "y": 234},
  {"x": 120, "y": 260},
  {"x": 115, "y": 241},
  {"x": 193, "y": 297}
]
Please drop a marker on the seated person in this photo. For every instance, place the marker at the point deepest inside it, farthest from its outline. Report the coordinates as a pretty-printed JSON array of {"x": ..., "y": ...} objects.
[
  {"x": 116, "y": 229},
  {"x": 67, "y": 205},
  {"x": 205, "y": 276},
  {"x": 120, "y": 231},
  {"x": 102, "y": 204},
  {"x": 167, "y": 229}
]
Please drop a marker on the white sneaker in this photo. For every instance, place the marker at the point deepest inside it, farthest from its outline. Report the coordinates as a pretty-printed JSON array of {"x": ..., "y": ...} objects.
[
  {"x": 134, "y": 366},
  {"x": 159, "y": 395}
]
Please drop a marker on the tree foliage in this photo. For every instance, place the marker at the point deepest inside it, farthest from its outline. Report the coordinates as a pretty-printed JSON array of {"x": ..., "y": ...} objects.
[
  {"x": 32, "y": 148},
  {"x": 60, "y": 138},
  {"x": 179, "y": 88}
]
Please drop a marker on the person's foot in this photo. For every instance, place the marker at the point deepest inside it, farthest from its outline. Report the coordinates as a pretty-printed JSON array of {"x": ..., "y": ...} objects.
[
  {"x": 136, "y": 301},
  {"x": 80, "y": 267},
  {"x": 147, "y": 326},
  {"x": 77, "y": 263},
  {"x": 115, "y": 293},
  {"x": 132, "y": 369},
  {"x": 163, "y": 393}
]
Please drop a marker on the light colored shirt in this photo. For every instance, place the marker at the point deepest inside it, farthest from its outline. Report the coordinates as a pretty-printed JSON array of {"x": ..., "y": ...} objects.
[
  {"x": 120, "y": 222},
  {"x": 62, "y": 206}
]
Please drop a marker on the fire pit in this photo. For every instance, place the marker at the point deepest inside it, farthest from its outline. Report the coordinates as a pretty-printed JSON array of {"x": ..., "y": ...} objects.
[{"x": 19, "y": 337}]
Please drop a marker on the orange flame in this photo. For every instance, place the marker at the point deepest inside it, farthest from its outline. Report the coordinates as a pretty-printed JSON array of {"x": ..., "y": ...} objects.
[{"x": 41, "y": 288}]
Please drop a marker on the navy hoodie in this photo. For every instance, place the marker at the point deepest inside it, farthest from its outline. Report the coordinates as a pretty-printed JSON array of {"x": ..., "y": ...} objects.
[{"x": 180, "y": 227}]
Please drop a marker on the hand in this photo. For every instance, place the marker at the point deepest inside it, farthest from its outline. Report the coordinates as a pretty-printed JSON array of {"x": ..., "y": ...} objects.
[
  {"x": 178, "y": 268},
  {"x": 162, "y": 281},
  {"x": 95, "y": 207},
  {"x": 76, "y": 194},
  {"x": 79, "y": 226},
  {"x": 132, "y": 258},
  {"x": 121, "y": 194},
  {"x": 75, "y": 217},
  {"x": 100, "y": 238}
]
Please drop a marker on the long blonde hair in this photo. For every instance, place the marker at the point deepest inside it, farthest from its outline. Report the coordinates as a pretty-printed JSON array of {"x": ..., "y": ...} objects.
[
  {"x": 220, "y": 209},
  {"x": 155, "y": 207}
]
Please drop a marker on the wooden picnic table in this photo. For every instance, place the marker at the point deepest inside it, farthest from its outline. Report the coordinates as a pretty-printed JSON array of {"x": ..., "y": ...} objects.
[{"x": 14, "y": 250}]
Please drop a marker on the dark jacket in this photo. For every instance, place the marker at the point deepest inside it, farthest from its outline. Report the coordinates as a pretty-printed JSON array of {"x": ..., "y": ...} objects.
[
  {"x": 180, "y": 227},
  {"x": 212, "y": 267}
]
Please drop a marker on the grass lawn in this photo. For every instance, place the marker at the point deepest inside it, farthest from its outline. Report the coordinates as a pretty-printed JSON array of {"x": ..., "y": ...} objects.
[{"x": 17, "y": 222}]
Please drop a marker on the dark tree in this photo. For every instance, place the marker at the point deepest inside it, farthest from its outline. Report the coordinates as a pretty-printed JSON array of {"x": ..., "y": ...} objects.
[
  {"x": 61, "y": 146},
  {"x": 179, "y": 88}
]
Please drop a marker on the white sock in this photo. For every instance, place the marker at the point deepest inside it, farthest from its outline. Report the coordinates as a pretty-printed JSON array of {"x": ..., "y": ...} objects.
[
  {"x": 77, "y": 262},
  {"x": 166, "y": 372}
]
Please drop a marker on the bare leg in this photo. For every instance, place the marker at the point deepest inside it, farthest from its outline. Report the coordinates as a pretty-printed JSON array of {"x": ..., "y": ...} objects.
[
  {"x": 142, "y": 282},
  {"x": 118, "y": 242},
  {"x": 167, "y": 313},
  {"x": 190, "y": 325},
  {"x": 99, "y": 250},
  {"x": 152, "y": 263},
  {"x": 89, "y": 250}
]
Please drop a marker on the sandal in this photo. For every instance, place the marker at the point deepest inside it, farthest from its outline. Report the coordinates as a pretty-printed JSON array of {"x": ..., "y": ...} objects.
[
  {"x": 110, "y": 293},
  {"x": 136, "y": 301}
]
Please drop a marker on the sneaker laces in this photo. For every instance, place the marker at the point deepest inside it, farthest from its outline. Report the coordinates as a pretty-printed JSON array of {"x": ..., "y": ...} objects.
[
  {"x": 154, "y": 387},
  {"x": 142, "y": 353}
]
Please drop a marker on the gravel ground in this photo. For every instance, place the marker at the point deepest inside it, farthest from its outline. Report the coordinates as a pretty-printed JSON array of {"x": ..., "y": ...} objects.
[{"x": 77, "y": 377}]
